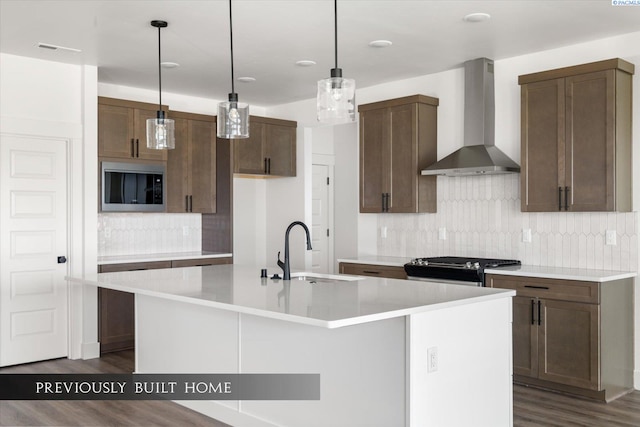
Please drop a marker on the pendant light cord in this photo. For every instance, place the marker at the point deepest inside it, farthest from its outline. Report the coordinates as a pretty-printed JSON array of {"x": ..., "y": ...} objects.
[
  {"x": 159, "y": 72},
  {"x": 231, "y": 39},
  {"x": 335, "y": 31}
]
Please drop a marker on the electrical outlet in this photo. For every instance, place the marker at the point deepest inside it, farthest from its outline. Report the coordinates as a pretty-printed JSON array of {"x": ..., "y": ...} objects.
[
  {"x": 526, "y": 235},
  {"x": 610, "y": 238},
  {"x": 442, "y": 233},
  {"x": 432, "y": 359}
]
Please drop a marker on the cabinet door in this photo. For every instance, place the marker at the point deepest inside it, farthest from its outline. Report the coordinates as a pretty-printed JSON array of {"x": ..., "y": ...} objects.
[
  {"x": 142, "y": 152},
  {"x": 281, "y": 150},
  {"x": 116, "y": 321},
  {"x": 178, "y": 182},
  {"x": 249, "y": 156},
  {"x": 525, "y": 337},
  {"x": 590, "y": 141},
  {"x": 542, "y": 145},
  {"x": 569, "y": 345},
  {"x": 374, "y": 158},
  {"x": 202, "y": 135},
  {"x": 115, "y": 131},
  {"x": 403, "y": 144}
]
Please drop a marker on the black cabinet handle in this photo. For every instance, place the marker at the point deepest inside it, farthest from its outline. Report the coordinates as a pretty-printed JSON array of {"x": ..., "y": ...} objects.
[
  {"x": 533, "y": 312},
  {"x": 370, "y": 272},
  {"x": 133, "y": 150},
  {"x": 383, "y": 209},
  {"x": 269, "y": 165},
  {"x": 559, "y": 198},
  {"x": 539, "y": 314},
  {"x": 566, "y": 198},
  {"x": 186, "y": 203},
  {"x": 191, "y": 203},
  {"x": 265, "y": 166},
  {"x": 137, "y": 147},
  {"x": 536, "y": 287}
]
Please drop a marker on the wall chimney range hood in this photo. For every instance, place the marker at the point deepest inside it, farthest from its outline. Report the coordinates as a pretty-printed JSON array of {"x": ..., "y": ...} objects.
[{"x": 479, "y": 155}]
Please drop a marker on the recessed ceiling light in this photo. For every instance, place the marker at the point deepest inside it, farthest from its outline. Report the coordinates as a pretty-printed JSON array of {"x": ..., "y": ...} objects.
[
  {"x": 380, "y": 43},
  {"x": 56, "y": 47},
  {"x": 246, "y": 79},
  {"x": 169, "y": 64},
  {"x": 305, "y": 63},
  {"x": 477, "y": 17}
]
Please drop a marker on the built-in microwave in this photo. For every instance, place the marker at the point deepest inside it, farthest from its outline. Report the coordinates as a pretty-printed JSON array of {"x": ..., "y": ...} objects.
[{"x": 132, "y": 187}]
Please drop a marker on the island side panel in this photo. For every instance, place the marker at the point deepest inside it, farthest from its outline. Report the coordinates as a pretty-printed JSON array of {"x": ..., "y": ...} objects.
[
  {"x": 178, "y": 337},
  {"x": 361, "y": 367},
  {"x": 472, "y": 382}
]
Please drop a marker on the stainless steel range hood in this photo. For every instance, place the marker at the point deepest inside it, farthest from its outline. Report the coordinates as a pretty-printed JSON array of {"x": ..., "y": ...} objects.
[{"x": 479, "y": 155}]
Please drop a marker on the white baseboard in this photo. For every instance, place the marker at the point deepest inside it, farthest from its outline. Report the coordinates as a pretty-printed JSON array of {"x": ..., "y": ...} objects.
[{"x": 90, "y": 350}]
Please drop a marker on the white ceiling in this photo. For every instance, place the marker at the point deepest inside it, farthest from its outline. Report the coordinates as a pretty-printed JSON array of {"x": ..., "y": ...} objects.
[{"x": 271, "y": 35}]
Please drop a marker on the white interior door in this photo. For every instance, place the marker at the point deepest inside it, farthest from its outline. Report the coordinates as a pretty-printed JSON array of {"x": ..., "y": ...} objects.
[
  {"x": 33, "y": 234},
  {"x": 320, "y": 221}
]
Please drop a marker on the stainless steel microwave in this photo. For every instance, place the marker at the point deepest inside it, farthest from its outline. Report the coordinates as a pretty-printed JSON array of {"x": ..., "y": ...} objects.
[{"x": 132, "y": 187}]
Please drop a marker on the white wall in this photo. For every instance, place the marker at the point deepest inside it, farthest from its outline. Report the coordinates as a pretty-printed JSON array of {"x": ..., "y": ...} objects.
[{"x": 57, "y": 100}]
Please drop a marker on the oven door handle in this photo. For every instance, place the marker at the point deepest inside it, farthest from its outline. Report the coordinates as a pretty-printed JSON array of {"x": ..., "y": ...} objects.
[{"x": 445, "y": 281}]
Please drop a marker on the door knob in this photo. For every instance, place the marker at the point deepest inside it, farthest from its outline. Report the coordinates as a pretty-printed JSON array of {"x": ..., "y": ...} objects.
[{"x": 62, "y": 259}]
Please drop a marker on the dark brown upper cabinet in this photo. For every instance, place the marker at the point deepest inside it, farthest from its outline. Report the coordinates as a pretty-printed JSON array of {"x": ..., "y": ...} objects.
[
  {"x": 270, "y": 149},
  {"x": 191, "y": 166},
  {"x": 576, "y": 138},
  {"x": 122, "y": 129},
  {"x": 398, "y": 138}
]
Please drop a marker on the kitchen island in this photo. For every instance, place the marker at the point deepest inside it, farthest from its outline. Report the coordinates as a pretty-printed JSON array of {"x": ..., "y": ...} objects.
[{"x": 389, "y": 352}]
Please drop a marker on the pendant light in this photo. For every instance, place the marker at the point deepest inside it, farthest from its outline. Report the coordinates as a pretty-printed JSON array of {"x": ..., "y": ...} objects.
[
  {"x": 336, "y": 96},
  {"x": 160, "y": 131},
  {"x": 233, "y": 116}
]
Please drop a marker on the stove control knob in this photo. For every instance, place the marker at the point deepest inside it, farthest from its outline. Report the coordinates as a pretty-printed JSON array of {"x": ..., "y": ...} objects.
[
  {"x": 476, "y": 265},
  {"x": 467, "y": 264}
]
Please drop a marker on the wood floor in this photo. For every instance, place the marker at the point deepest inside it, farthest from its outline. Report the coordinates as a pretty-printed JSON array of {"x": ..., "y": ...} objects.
[{"x": 531, "y": 408}]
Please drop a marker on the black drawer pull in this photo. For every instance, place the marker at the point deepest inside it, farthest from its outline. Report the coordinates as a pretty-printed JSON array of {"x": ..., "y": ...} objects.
[
  {"x": 536, "y": 287},
  {"x": 370, "y": 272}
]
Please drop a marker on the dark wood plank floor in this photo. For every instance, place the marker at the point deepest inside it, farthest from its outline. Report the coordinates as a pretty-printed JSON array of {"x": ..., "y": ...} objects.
[{"x": 531, "y": 407}]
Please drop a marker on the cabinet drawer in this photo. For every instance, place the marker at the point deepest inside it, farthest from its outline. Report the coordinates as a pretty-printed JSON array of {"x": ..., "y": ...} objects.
[
  {"x": 132, "y": 266},
  {"x": 198, "y": 262},
  {"x": 373, "y": 270},
  {"x": 567, "y": 290}
]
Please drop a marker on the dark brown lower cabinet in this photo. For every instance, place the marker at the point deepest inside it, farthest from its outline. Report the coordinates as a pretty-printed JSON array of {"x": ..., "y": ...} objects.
[
  {"x": 572, "y": 336},
  {"x": 374, "y": 270},
  {"x": 116, "y": 309}
]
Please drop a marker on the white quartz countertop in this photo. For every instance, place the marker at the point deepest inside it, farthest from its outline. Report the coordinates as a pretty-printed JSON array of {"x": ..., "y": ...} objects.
[
  {"x": 322, "y": 301},
  {"x": 583, "y": 274},
  {"x": 378, "y": 260},
  {"x": 167, "y": 256}
]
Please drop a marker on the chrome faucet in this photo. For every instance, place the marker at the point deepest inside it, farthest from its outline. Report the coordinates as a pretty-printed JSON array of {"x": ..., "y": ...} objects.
[{"x": 285, "y": 265}]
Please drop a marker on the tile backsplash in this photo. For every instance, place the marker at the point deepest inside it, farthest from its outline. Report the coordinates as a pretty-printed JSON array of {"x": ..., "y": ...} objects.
[
  {"x": 481, "y": 217},
  {"x": 144, "y": 233}
]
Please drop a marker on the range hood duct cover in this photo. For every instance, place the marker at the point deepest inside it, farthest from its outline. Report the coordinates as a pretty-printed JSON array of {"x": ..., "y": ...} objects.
[{"x": 479, "y": 155}]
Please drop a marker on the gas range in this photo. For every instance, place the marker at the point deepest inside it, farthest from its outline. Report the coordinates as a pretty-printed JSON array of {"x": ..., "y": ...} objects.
[{"x": 456, "y": 270}]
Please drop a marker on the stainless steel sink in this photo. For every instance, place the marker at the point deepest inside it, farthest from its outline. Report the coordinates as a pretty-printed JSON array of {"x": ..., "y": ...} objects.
[{"x": 323, "y": 278}]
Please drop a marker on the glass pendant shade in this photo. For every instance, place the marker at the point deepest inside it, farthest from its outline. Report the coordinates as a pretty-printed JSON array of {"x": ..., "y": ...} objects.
[
  {"x": 336, "y": 102},
  {"x": 233, "y": 120},
  {"x": 161, "y": 133}
]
